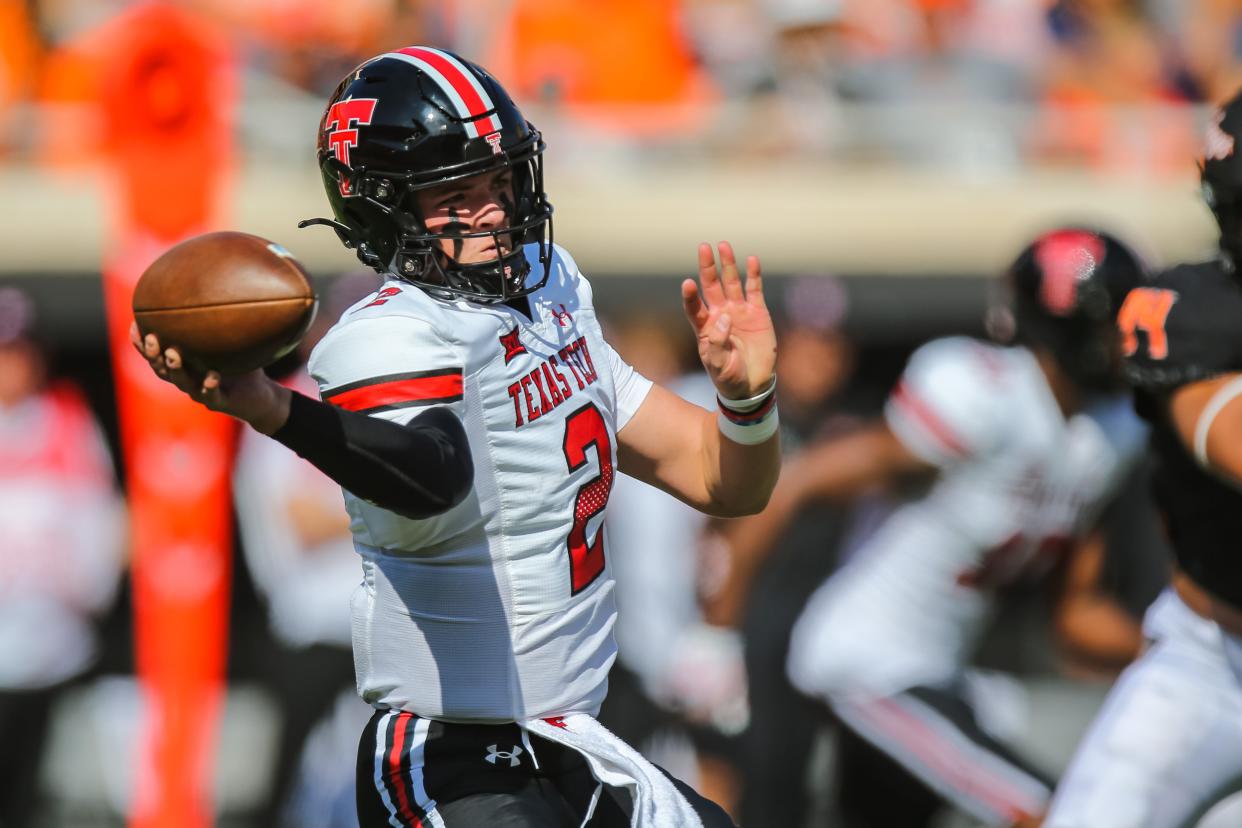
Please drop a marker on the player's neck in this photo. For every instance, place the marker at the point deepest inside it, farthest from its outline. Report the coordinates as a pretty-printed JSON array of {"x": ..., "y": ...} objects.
[
  {"x": 520, "y": 304},
  {"x": 1064, "y": 390}
]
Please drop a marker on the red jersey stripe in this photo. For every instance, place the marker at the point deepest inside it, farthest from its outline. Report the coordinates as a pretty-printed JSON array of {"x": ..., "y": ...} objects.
[
  {"x": 915, "y": 407},
  {"x": 398, "y": 391}
]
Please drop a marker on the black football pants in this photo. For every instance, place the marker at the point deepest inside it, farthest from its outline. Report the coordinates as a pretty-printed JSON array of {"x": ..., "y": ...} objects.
[{"x": 433, "y": 774}]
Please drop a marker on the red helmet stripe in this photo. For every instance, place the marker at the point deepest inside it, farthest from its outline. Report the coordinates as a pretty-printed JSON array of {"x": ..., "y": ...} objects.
[{"x": 469, "y": 97}]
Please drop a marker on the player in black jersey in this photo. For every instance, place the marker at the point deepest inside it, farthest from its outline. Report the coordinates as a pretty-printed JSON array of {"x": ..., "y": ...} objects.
[{"x": 1167, "y": 744}]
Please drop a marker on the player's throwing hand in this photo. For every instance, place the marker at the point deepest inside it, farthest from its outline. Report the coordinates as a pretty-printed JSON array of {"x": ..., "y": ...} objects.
[
  {"x": 737, "y": 342},
  {"x": 251, "y": 397}
]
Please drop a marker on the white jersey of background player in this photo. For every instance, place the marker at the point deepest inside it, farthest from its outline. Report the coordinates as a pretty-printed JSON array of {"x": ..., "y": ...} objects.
[
  {"x": 518, "y": 625},
  {"x": 1019, "y": 468},
  {"x": 1018, "y": 482}
]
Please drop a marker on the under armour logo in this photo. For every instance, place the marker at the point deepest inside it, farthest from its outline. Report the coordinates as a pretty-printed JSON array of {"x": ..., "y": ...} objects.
[
  {"x": 494, "y": 755},
  {"x": 512, "y": 345},
  {"x": 563, "y": 317}
]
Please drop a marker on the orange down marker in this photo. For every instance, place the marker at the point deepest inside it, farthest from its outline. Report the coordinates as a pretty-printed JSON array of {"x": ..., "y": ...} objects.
[{"x": 166, "y": 93}]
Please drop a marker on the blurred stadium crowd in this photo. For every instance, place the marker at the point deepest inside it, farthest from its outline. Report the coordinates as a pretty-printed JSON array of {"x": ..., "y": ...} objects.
[
  {"x": 966, "y": 82},
  {"x": 965, "y": 85}
]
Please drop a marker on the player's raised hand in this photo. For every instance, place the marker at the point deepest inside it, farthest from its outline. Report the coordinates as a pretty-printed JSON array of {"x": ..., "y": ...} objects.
[
  {"x": 737, "y": 342},
  {"x": 252, "y": 397}
]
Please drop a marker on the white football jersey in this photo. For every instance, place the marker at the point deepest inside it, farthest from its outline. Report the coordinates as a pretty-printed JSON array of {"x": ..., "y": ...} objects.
[
  {"x": 500, "y": 609},
  {"x": 1018, "y": 481}
]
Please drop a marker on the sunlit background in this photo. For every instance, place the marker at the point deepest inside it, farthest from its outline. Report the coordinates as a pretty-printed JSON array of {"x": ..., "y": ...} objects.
[{"x": 884, "y": 158}]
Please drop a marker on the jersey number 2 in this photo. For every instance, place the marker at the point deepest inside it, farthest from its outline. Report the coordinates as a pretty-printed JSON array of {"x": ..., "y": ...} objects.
[{"x": 585, "y": 427}]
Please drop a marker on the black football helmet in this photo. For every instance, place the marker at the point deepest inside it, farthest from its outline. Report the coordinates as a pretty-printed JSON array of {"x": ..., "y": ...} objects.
[
  {"x": 1220, "y": 173},
  {"x": 415, "y": 118},
  {"x": 1066, "y": 288}
]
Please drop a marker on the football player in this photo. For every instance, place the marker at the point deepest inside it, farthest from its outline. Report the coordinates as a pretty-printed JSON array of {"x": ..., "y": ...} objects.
[
  {"x": 1167, "y": 743},
  {"x": 1018, "y": 461},
  {"x": 476, "y": 419}
]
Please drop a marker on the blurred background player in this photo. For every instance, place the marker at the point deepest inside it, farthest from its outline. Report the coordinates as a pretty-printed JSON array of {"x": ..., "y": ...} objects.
[
  {"x": 61, "y": 554},
  {"x": 762, "y": 597},
  {"x": 1019, "y": 453},
  {"x": 1167, "y": 744},
  {"x": 301, "y": 558}
]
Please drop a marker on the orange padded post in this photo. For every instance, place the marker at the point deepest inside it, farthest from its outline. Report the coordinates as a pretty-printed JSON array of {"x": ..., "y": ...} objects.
[{"x": 166, "y": 92}]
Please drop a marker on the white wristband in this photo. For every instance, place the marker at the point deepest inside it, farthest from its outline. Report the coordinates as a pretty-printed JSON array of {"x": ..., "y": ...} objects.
[
  {"x": 1214, "y": 406},
  {"x": 750, "y": 403},
  {"x": 750, "y": 434}
]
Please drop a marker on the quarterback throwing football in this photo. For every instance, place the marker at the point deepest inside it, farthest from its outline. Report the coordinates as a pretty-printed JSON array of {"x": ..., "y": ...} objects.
[{"x": 476, "y": 419}]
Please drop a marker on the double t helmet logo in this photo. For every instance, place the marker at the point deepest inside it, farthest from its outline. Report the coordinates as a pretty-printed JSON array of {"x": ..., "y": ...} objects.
[{"x": 341, "y": 125}]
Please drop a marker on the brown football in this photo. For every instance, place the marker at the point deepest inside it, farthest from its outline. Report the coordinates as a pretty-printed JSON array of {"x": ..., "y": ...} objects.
[{"x": 229, "y": 301}]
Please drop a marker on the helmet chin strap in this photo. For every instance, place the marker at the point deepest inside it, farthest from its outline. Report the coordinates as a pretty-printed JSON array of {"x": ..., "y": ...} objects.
[
  {"x": 504, "y": 275},
  {"x": 491, "y": 281}
]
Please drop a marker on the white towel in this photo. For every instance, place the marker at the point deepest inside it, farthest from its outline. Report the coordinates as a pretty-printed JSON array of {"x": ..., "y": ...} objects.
[{"x": 657, "y": 802}]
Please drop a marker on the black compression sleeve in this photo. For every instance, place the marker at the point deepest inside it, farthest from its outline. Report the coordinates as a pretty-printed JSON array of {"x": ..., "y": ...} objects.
[{"x": 417, "y": 470}]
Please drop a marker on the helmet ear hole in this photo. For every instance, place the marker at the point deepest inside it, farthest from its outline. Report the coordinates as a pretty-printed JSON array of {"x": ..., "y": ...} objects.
[
  {"x": 408, "y": 223},
  {"x": 342, "y": 170}
]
